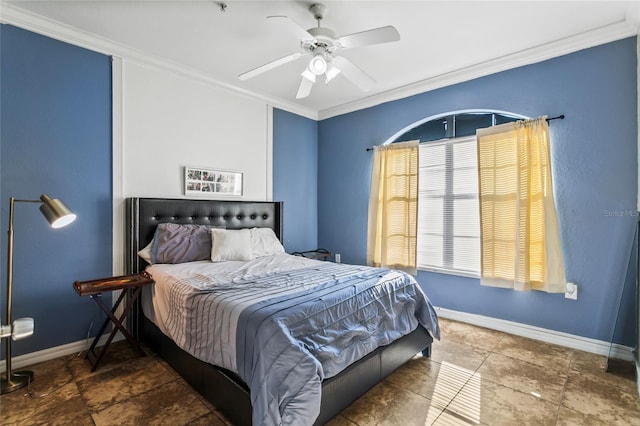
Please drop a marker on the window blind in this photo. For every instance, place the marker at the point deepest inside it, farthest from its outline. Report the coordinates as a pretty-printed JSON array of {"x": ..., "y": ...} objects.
[{"x": 448, "y": 213}]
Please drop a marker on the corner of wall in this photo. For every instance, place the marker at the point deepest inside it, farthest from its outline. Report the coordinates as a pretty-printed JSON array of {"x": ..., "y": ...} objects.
[
  {"x": 118, "y": 165},
  {"x": 636, "y": 355},
  {"x": 638, "y": 110},
  {"x": 269, "y": 147}
]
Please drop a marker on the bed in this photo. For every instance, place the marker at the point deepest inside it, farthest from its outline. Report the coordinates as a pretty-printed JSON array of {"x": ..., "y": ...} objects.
[{"x": 225, "y": 387}]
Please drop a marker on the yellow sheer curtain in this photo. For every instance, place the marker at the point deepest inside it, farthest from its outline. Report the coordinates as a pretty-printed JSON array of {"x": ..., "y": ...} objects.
[
  {"x": 518, "y": 222},
  {"x": 393, "y": 207}
]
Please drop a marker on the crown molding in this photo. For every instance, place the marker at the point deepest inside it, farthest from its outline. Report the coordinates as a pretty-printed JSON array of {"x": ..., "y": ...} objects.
[
  {"x": 615, "y": 31},
  {"x": 632, "y": 14},
  {"x": 11, "y": 14},
  {"x": 14, "y": 15}
]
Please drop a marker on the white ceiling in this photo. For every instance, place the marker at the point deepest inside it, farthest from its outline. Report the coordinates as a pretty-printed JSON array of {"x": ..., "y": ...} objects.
[{"x": 438, "y": 39}]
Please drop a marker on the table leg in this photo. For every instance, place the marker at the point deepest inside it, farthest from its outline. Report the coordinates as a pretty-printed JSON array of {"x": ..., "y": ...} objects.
[{"x": 94, "y": 359}]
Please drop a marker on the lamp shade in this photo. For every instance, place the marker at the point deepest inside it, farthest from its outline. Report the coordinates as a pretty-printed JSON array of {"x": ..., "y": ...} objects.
[{"x": 56, "y": 212}]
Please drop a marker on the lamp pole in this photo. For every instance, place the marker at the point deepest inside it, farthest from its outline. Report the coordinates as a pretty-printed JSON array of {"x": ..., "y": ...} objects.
[
  {"x": 58, "y": 215},
  {"x": 13, "y": 381}
]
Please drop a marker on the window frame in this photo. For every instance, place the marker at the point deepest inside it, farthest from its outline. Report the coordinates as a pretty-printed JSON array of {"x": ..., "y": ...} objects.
[{"x": 450, "y": 135}]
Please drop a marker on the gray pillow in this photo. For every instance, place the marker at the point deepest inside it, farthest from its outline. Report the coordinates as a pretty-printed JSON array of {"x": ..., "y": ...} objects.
[{"x": 175, "y": 243}]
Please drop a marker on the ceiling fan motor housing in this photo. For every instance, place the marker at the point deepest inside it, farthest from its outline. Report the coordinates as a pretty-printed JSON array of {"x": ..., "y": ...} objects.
[
  {"x": 323, "y": 38},
  {"x": 318, "y": 10}
]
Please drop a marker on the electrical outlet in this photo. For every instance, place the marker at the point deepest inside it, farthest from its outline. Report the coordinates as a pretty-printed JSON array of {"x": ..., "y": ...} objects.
[
  {"x": 337, "y": 257},
  {"x": 572, "y": 291}
]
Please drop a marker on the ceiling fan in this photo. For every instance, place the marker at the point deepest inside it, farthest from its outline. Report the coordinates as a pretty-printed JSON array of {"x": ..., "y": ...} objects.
[{"x": 321, "y": 44}]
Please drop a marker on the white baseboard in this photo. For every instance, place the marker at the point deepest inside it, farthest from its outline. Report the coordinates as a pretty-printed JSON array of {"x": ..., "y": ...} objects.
[
  {"x": 55, "y": 352},
  {"x": 638, "y": 374},
  {"x": 599, "y": 347}
]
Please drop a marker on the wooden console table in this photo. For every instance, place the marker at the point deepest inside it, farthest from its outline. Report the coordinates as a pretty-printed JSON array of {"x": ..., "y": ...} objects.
[{"x": 130, "y": 284}]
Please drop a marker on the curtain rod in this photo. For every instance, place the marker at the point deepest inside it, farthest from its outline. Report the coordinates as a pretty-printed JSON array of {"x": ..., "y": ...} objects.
[{"x": 557, "y": 117}]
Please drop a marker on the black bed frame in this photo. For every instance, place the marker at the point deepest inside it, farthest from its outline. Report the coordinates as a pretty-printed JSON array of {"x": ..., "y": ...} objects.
[{"x": 223, "y": 388}]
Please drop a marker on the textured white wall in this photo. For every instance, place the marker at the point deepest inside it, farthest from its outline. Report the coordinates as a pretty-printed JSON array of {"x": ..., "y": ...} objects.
[{"x": 171, "y": 121}]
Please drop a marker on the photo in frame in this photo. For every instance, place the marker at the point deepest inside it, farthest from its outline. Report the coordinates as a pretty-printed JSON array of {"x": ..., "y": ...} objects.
[{"x": 201, "y": 181}]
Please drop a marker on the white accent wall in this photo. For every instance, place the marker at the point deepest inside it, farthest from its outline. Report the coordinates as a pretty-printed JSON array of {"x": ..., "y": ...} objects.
[{"x": 171, "y": 121}]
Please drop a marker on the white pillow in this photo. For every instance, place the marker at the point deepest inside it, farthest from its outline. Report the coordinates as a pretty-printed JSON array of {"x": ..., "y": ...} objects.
[
  {"x": 264, "y": 242},
  {"x": 145, "y": 253},
  {"x": 230, "y": 244}
]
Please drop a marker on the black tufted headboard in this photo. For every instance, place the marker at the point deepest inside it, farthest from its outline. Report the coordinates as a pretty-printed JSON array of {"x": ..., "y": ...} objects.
[{"x": 144, "y": 214}]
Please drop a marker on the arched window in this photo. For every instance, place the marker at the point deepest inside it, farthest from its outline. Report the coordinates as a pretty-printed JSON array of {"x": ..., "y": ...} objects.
[{"x": 448, "y": 212}]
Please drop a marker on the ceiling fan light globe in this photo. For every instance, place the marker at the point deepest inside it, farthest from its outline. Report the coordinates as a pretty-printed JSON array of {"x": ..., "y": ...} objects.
[
  {"x": 318, "y": 65},
  {"x": 332, "y": 72},
  {"x": 309, "y": 75}
]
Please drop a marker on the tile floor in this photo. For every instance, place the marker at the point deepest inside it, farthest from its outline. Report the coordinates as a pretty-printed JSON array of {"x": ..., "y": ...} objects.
[{"x": 475, "y": 376}]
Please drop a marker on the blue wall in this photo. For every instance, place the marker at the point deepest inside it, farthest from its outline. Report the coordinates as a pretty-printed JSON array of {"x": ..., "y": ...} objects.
[
  {"x": 55, "y": 138},
  {"x": 595, "y": 176},
  {"x": 295, "y": 178}
]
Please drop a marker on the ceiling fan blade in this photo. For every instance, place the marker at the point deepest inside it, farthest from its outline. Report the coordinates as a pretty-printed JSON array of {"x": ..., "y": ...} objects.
[
  {"x": 305, "y": 87},
  {"x": 292, "y": 27},
  {"x": 354, "y": 74},
  {"x": 375, "y": 36},
  {"x": 271, "y": 65}
]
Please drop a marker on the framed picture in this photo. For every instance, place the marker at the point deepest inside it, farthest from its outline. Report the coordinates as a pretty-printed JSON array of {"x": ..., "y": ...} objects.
[{"x": 199, "y": 181}]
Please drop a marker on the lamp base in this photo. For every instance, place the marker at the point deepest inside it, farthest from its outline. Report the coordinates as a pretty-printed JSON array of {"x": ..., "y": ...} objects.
[{"x": 15, "y": 381}]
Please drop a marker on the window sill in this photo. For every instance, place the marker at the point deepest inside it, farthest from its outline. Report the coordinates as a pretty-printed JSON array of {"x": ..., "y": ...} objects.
[{"x": 449, "y": 272}]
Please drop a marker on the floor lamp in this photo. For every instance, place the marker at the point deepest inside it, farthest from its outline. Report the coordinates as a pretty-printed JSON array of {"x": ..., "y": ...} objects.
[{"x": 58, "y": 216}]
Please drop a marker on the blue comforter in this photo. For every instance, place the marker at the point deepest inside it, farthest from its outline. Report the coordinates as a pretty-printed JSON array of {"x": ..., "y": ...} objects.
[
  {"x": 287, "y": 345},
  {"x": 287, "y": 329}
]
